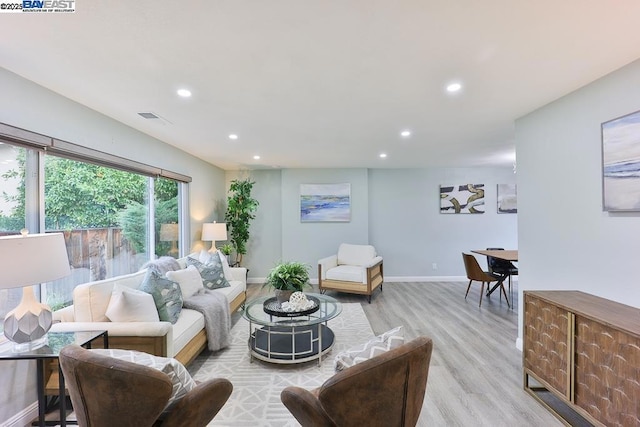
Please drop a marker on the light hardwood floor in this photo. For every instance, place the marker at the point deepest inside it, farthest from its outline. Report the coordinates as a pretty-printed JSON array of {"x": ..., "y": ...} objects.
[{"x": 475, "y": 376}]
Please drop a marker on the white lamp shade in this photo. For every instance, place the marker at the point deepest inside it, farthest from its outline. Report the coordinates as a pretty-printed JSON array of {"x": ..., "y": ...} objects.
[
  {"x": 168, "y": 232},
  {"x": 214, "y": 231},
  {"x": 32, "y": 259}
]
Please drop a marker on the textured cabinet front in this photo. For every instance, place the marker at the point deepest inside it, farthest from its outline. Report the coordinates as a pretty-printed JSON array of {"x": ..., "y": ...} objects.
[
  {"x": 585, "y": 350},
  {"x": 546, "y": 335},
  {"x": 607, "y": 373}
]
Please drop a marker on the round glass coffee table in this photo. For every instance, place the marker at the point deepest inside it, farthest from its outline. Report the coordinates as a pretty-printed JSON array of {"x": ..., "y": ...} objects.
[{"x": 283, "y": 337}]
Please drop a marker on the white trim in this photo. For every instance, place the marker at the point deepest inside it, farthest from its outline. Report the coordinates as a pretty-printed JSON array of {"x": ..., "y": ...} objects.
[
  {"x": 24, "y": 417},
  {"x": 396, "y": 279},
  {"x": 519, "y": 344}
]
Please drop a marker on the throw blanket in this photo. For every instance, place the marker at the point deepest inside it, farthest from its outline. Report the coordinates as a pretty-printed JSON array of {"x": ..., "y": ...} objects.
[
  {"x": 162, "y": 265},
  {"x": 217, "y": 320}
]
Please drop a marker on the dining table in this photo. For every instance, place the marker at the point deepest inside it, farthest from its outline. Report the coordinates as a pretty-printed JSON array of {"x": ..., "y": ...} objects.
[{"x": 504, "y": 254}]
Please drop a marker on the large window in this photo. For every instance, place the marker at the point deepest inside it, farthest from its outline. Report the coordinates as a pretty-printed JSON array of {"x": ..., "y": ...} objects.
[
  {"x": 113, "y": 220},
  {"x": 12, "y": 215}
]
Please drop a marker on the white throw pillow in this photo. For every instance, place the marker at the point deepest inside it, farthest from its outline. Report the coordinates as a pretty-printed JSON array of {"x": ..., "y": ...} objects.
[
  {"x": 189, "y": 280},
  {"x": 225, "y": 266},
  {"x": 375, "y": 346},
  {"x": 131, "y": 305},
  {"x": 178, "y": 374}
]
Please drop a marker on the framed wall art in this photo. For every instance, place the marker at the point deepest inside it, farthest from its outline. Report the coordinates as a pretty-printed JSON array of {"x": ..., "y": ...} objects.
[
  {"x": 325, "y": 202},
  {"x": 507, "y": 198},
  {"x": 465, "y": 198},
  {"x": 621, "y": 163}
]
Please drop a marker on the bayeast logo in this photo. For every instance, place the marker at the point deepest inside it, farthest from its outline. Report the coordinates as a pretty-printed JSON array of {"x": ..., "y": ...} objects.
[{"x": 48, "y": 5}]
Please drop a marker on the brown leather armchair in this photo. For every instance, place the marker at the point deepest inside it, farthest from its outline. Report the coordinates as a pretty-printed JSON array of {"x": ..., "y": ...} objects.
[
  {"x": 109, "y": 392},
  {"x": 387, "y": 390}
]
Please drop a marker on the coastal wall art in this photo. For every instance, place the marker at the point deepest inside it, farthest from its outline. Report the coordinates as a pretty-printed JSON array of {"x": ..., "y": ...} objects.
[
  {"x": 621, "y": 163},
  {"x": 465, "y": 198},
  {"x": 507, "y": 198},
  {"x": 325, "y": 202}
]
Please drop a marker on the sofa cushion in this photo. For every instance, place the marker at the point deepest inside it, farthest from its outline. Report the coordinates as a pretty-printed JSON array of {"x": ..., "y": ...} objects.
[
  {"x": 177, "y": 373},
  {"x": 131, "y": 305},
  {"x": 90, "y": 300},
  {"x": 189, "y": 280},
  {"x": 188, "y": 325},
  {"x": 236, "y": 288},
  {"x": 355, "y": 254},
  {"x": 225, "y": 265},
  {"x": 212, "y": 274},
  {"x": 375, "y": 346},
  {"x": 349, "y": 273},
  {"x": 166, "y": 294}
]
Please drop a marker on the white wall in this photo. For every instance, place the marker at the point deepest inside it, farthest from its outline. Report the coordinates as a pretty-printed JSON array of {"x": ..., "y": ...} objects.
[
  {"x": 407, "y": 227},
  {"x": 396, "y": 210},
  {"x": 29, "y": 106},
  {"x": 566, "y": 241}
]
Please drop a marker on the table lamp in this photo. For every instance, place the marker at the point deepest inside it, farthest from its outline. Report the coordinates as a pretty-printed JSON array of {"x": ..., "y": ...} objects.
[
  {"x": 214, "y": 231},
  {"x": 169, "y": 233},
  {"x": 30, "y": 260}
]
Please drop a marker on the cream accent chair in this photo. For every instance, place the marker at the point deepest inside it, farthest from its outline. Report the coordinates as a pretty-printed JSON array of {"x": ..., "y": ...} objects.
[{"x": 355, "y": 269}]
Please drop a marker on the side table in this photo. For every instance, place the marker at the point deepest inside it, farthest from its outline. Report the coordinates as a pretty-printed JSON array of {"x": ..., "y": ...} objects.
[{"x": 56, "y": 340}]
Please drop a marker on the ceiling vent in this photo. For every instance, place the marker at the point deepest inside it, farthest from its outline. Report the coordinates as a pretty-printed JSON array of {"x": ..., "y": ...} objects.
[{"x": 155, "y": 117}]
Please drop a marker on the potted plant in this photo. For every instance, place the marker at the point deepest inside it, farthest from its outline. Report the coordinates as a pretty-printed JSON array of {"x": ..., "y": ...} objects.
[
  {"x": 287, "y": 278},
  {"x": 240, "y": 211},
  {"x": 226, "y": 249}
]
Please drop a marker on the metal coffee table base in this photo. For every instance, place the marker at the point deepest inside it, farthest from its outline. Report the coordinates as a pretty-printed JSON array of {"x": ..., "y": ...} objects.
[{"x": 291, "y": 344}]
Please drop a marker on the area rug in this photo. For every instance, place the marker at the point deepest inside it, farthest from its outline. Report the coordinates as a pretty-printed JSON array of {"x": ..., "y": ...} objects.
[{"x": 255, "y": 400}]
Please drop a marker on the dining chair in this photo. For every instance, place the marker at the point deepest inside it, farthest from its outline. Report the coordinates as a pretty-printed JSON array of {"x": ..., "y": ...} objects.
[
  {"x": 474, "y": 272},
  {"x": 501, "y": 267}
]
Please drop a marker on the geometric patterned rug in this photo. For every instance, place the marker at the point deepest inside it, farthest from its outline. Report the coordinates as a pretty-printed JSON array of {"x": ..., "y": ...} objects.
[{"x": 255, "y": 400}]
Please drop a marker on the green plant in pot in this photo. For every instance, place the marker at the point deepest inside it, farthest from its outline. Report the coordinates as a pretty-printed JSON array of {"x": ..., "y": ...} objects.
[
  {"x": 287, "y": 278},
  {"x": 226, "y": 249},
  {"x": 240, "y": 212}
]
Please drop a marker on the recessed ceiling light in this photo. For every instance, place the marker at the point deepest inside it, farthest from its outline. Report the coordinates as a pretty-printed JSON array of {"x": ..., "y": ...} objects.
[
  {"x": 405, "y": 133},
  {"x": 185, "y": 93},
  {"x": 233, "y": 136},
  {"x": 383, "y": 155},
  {"x": 454, "y": 87},
  {"x": 256, "y": 157}
]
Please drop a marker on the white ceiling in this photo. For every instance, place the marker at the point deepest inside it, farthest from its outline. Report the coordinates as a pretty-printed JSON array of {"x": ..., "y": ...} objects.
[{"x": 324, "y": 83}]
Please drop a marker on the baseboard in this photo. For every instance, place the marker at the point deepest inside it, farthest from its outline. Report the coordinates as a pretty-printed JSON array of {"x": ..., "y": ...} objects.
[
  {"x": 397, "y": 279},
  {"x": 23, "y": 418},
  {"x": 519, "y": 344},
  {"x": 391, "y": 279}
]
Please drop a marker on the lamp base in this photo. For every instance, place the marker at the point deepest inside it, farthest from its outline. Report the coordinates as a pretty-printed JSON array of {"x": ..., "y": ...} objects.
[
  {"x": 27, "y": 325},
  {"x": 31, "y": 345}
]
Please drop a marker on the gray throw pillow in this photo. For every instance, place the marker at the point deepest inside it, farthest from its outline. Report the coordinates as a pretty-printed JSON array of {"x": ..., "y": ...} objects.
[
  {"x": 212, "y": 273},
  {"x": 166, "y": 294}
]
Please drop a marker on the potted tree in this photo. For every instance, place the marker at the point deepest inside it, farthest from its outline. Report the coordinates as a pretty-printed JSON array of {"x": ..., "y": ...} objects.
[
  {"x": 240, "y": 211},
  {"x": 287, "y": 278}
]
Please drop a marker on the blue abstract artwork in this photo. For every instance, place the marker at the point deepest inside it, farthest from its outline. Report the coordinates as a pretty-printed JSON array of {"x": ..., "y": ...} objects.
[
  {"x": 325, "y": 202},
  {"x": 621, "y": 163}
]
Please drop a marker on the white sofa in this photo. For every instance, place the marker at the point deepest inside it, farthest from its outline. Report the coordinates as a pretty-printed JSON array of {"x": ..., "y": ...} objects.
[{"x": 183, "y": 340}]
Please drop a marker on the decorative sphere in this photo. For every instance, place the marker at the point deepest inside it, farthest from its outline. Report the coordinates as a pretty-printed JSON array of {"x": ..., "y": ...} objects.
[{"x": 298, "y": 298}]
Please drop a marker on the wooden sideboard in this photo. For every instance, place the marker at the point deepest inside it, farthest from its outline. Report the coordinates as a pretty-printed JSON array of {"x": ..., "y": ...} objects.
[{"x": 583, "y": 351}]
